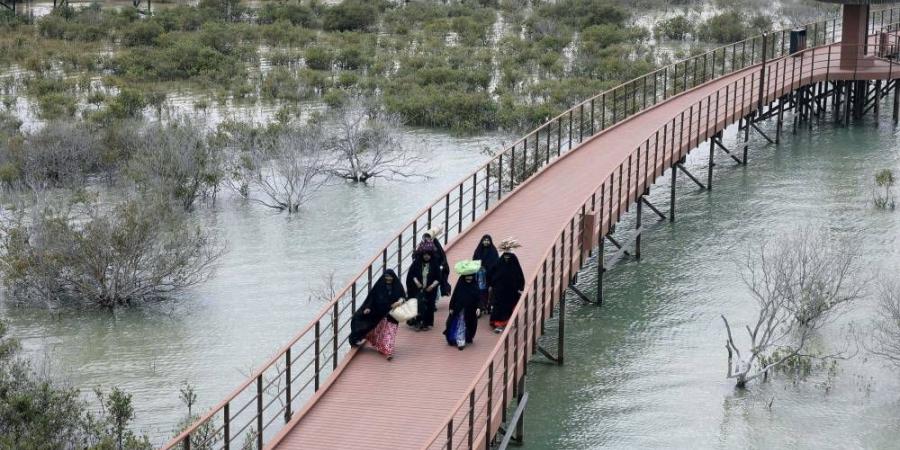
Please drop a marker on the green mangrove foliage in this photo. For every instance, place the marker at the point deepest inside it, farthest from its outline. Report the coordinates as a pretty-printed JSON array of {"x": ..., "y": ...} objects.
[
  {"x": 467, "y": 66},
  {"x": 38, "y": 413}
]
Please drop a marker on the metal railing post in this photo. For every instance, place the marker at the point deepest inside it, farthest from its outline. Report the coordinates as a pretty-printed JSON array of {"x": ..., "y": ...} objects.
[
  {"x": 450, "y": 434},
  {"x": 334, "y": 334},
  {"x": 500, "y": 177},
  {"x": 317, "y": 360},
  {"x": 471, "y": 418},
  {"x": 459, "y": 216},
  {"x": 259, "y": 411},
  {"x": 490, "y": 407},
  {"x": 226, "y": 426},
  {"x": 287, "y": 390},
  {"x": 487, "y": 187},
  {"x": 446, "y": 217},
  {"x": 474, "y": 194},
  {"x": 762, "y": 75}
]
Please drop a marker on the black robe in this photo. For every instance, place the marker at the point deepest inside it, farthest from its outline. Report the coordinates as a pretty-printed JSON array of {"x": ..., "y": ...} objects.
[
  {"x": 441, "y": 258},
  {"x": 379, "y": 302},
  {"x": 487, "y": 255},
  {"x": 415, "y": 271},
  {"x": 465, "y": 301},
  {"x": 506, "y": 280}
]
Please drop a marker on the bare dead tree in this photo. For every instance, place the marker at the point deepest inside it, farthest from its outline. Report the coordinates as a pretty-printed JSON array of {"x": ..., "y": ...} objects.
[
  {"x": 368, "y": 144},
  {"x": 287, "y": 167},
  {"x": 885, "y": 340},
  {"x": 177, "y": 159},
  {"x": 800, "y": 283},
  {"x": 238, "y": 140},
  {"x": 326, "y": 292}
]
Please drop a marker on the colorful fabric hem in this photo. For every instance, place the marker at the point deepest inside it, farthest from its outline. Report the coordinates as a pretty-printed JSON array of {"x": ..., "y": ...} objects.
[{"x": 383, "y": 337}]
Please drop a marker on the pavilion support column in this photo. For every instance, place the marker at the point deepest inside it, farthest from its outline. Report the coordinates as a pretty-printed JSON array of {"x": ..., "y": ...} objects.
[
  {"x": 798, "y": 111},
  {"x": 812, "y": 104},
  {"x": 853, "y": 34},
  {"x": 836, "y": 100},
  {"x": 860, "y": 96},
  {"x": 877, "y": 106},
  {"x": 848, "y": 102}
]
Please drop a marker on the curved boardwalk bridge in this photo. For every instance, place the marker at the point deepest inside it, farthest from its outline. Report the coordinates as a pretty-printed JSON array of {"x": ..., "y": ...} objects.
[{"x": 560, "y": 190}]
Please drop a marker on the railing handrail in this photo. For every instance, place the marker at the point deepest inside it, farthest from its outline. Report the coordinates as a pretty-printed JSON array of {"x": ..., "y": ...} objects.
[{"x": 444, "y": 197}]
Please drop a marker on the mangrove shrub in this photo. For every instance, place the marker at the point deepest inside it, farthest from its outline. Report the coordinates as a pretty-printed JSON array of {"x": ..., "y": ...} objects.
[{"x": 83, "y": 252}]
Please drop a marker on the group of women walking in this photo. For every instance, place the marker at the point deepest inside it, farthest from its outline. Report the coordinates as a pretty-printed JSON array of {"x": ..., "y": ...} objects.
[{"x": 491, "y": 283}]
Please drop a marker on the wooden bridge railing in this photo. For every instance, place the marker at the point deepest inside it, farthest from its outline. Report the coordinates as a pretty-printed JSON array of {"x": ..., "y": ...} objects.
[{"x": 258, "y": 407}]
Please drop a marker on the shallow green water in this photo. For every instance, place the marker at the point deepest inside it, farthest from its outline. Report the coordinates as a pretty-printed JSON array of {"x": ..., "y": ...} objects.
[{"x": 647, "y": 369}]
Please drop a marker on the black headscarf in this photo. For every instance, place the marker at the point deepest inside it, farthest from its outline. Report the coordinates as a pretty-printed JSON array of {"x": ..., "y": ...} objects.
[
  {"x": 466, "y": 294},
  {"x": 441, "y": 258},
  {"x": 506, "y": 275},
  {"x": 487, "y": 255},
  {"x": 382, "y": 295}
]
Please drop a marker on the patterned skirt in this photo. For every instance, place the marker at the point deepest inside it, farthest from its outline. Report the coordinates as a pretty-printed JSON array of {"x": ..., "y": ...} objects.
[{"x": 383, "y": 337}]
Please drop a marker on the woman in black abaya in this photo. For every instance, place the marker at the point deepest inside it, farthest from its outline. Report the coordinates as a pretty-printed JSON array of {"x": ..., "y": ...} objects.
[
  {"x": 487, "y": 254},
  {"x": 464, "y": 304},
  {"x": 432, "y": 236},
  {"x": 507, "y": 282},
  {"x": 422, "y": 283},
  {"x": 372, "y": 321}
]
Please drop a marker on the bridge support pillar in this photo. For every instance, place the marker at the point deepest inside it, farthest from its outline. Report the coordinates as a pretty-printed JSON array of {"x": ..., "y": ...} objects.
[
  {"x": 522, "y": 401},
  {"x": 672, "y": 196},
  {"x": 748, "y": 121},
  {"x": 514, "y": 429},
  {"x": 780, "y": 121},
  {"x": 709, "y": 171},
  {"x": 637, "y": 227},
  {"x": 600, "y": 270},
  {"x": 561, "y": 331}
]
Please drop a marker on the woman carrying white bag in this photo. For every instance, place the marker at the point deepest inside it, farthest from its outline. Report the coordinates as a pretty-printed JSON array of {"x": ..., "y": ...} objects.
[{"x": 376, "y": 320}]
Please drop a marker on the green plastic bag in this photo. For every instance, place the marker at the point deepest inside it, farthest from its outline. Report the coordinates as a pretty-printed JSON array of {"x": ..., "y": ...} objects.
[{"x": 467, "y": 267}]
